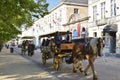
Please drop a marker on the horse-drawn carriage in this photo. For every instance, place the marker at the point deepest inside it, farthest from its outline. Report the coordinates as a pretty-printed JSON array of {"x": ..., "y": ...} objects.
[
  {"x": 51, "y": 50},
  {"x": 72, "y": 52}
]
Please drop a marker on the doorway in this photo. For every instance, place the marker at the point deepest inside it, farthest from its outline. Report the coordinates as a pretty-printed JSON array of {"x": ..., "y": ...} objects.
[{"x": 112, "y": 42}]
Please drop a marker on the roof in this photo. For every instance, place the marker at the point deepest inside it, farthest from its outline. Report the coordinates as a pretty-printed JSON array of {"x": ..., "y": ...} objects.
[
  {"x": 28, "y": 37},
  {"x": 76, "y": 1},
  {"x": 54, "y": 33},
  {"x": 72, "y": 2}
]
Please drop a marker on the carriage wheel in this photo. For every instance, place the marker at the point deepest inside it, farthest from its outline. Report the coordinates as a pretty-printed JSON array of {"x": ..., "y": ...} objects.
[
  {"x": 44, "y": 58},
  {"x": 56, "y": 63}
]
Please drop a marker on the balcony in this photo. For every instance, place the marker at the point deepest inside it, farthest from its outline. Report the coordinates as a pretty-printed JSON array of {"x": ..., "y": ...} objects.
[
  {"x": 112, "y": 20},
  {"x": 101, "y": 22}
]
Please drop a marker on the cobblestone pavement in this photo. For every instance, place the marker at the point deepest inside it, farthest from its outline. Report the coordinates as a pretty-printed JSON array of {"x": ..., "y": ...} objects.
[
  {"x": 15, "y": 67},
  {"x": 107, "y": 68}
]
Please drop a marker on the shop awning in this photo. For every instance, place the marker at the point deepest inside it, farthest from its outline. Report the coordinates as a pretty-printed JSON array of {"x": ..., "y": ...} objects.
[{"x": 110, "y": 28}]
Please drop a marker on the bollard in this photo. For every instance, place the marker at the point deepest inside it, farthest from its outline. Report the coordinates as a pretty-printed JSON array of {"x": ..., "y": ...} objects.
[{"x": 11, "y": 50}]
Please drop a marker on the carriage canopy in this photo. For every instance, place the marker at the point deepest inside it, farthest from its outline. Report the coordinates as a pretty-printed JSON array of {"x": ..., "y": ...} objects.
[{"x": 54, "y": 33}]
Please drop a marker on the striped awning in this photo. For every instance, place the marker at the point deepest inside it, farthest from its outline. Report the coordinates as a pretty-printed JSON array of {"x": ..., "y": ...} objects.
[{"x": 110, "y": 28}]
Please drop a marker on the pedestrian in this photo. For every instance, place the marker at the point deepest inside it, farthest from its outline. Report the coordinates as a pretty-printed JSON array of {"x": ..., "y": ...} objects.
[
  {"x": 11, "y": 48},
  {"x": 1, "y": 46},
  {"x": 7, "y": 46}
]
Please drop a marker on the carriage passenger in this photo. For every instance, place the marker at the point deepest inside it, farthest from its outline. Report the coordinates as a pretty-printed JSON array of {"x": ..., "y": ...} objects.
[
  {"x": 58, "y": 39},
  {"x": 68, "y": 37},
  {"x": 43, "y": 42},
  {"x": 47, "y": 42}
]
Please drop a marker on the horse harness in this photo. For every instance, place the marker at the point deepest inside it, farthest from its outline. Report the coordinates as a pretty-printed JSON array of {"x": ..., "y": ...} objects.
[{"x": 84, "y": 48}]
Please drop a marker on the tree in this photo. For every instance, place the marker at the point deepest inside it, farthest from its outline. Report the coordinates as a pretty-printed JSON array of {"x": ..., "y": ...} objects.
[{"x": 14, "y": 13}]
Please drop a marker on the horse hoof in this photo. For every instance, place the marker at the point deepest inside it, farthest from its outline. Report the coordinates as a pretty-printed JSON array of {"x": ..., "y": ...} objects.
[
  {"x": 74, "y": 71},
  {"x": 95, "y": 78},
  {"x": 81, "y": 70},
  {"x": 86, "y": 73}
]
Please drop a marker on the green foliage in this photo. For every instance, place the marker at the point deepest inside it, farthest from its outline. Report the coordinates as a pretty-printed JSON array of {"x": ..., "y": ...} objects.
[{"x": 14, "y": 13}]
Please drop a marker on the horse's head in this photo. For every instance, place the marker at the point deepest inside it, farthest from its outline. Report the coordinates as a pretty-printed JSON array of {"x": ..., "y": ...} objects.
[{"x": 100, "y": 46}]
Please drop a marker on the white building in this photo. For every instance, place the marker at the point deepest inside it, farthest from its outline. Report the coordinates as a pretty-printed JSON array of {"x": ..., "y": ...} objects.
[
  {"x": 105, "y": 16},
  {"x": 58, "y": 16}
]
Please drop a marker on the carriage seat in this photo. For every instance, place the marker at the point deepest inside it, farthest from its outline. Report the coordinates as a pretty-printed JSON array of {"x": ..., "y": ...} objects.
[{"x": 66, "y": 47}]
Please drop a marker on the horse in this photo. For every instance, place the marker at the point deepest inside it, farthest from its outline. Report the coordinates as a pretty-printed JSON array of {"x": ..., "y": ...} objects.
[
  {"x": 88, "y": 51},
  {"x": 24, "y": 47}
]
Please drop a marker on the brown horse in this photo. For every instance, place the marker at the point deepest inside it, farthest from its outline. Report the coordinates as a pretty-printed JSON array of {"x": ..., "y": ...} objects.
[{"x": 87, "y": 51}]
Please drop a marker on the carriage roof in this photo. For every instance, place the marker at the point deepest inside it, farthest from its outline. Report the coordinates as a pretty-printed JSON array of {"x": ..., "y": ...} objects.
[
  {"x": 28, "y": 37},
  {"x": 54, "y": 33}
]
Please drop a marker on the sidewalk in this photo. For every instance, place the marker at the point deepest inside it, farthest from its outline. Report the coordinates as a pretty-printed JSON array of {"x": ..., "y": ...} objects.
[{"x": 15, "y": 67}]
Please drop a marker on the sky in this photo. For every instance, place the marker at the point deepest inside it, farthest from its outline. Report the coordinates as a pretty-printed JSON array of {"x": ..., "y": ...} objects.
[{"x": 52, "y": 3}]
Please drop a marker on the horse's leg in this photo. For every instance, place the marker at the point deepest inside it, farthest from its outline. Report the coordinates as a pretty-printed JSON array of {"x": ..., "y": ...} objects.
[
  {"x": 75, "y": 61},
  {"x": 91, "y": 62},
  {"x": 88, "y": 66},
  {"x": 86, "y": 69},
  {"x": 80, "y": 65},
  {"x": 23, "y": 51}
]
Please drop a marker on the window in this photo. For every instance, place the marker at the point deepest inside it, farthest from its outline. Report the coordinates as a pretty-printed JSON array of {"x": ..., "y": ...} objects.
[
  {"x": 55, "y": 15},
  {"x": 94, "y": 13},
  {"x": 50, "y": 18},
  {"x": 113, "y": 8},
  {"x": 60, "y": 13},
  {"x": 76, "y": 10},
  {"x": 103, "y": 10}
]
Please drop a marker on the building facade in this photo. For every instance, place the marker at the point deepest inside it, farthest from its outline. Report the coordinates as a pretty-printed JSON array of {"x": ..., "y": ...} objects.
[
  {"x": 104, "y": 22},
  {"x": 62, "y": 14}
]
